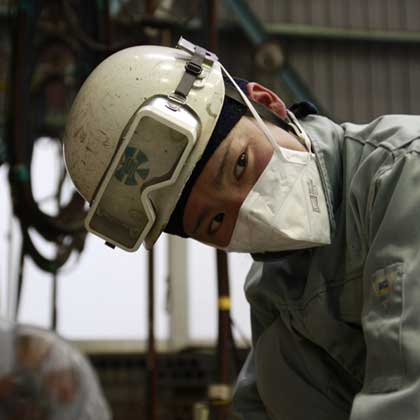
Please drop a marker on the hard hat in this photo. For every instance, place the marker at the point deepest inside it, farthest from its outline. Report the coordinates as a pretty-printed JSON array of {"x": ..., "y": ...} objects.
[
  {"x": 44, "y": 377},
  {"x": 136, "y": 129}
]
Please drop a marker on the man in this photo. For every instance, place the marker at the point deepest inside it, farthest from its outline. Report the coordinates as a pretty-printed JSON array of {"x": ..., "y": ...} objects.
[
  {"x": 44, "y": 378},
  {"x": 159, "y": 140}
]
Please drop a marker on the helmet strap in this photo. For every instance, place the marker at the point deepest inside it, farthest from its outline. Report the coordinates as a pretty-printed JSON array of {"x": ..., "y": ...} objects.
[{"x": 193, "y": 69}]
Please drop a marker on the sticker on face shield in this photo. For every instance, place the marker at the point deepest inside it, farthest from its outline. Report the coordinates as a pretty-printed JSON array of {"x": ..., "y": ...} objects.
[{"x": 133, "y": 166}]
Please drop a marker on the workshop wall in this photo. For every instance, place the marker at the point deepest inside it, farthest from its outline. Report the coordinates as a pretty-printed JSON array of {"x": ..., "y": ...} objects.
[{"x": 359, "y": 58}]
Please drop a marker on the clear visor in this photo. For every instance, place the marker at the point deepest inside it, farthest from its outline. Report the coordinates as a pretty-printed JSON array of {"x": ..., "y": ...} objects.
[{"x": 151, "y": 156}]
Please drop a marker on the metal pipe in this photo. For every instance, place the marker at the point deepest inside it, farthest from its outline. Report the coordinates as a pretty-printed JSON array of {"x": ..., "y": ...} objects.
[
  {"x": 19, "y": 44},
  {"x": 216, "y": 395},
  {"x": 293, "y": 30},
  {"x": 105, "y": 33},
  {"x": 224, "y": 317},
  {"x": 178, "y": 293},
  {"x": 250, "y": 23},
  {"x": 54, "y": 295},
  {"x": 285, "y": 30},
  {"x": 151, "y": 353},
  {"x": 299, "y": 89},
  {"x": 19, "y": 156},
  {"x": 150, "y": 7},
  {"x": 24, "y": 204},
  {"x": 209, "y": 24},
  {"x": 151, "y": 350},
  {"x": 20, "y": 280},
  {"x": 220, "y": 400},
  {"x": 258, "y": 35},
  {"x": 221, "y": 392},
  {"x": 259, "y": 32}
]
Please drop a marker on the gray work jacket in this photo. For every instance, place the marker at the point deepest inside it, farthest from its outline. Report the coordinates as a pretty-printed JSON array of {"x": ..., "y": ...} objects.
[{"x": 336, "y": 329}]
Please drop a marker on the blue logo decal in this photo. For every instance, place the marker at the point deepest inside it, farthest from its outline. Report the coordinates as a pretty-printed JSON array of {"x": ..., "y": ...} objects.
[{"x": 133, "y": 165}]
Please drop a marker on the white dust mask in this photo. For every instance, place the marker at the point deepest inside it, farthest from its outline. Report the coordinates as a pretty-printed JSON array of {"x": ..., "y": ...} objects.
[{"x": 286, "y": 208}]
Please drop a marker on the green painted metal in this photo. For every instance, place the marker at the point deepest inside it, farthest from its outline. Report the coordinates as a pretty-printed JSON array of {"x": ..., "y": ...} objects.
[
  {"x": 3, "y": 151},
  {"x": 21, "y": 173},
  {"x": 27, "y": 6},
  {"x": 258, "y": 34},
  {"x": 328, "y": 33},
  {"x": 299, "y": 90},
  {"x": 250, "y": 23},
  {"x": 100, "y": 5}
]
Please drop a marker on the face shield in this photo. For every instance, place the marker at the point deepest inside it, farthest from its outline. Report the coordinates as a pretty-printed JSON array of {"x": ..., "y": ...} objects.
[{"x": 153, "y": 151}]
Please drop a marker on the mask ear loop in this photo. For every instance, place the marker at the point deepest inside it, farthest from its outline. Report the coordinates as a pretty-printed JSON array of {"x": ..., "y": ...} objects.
[{"x": 299, "y": 130}]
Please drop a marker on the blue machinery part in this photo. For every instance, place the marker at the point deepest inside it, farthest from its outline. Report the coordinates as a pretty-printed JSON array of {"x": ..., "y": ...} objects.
[{"x": 258, "y": 35}]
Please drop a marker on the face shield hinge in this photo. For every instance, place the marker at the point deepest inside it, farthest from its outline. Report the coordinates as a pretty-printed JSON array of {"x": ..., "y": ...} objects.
[
  {"x": 175, "y": 101},
  {"x": 193, "y": 69}
]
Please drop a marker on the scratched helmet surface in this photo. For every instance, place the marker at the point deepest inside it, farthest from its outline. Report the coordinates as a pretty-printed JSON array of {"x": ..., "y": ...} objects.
[{"x": 102, "y": 111}]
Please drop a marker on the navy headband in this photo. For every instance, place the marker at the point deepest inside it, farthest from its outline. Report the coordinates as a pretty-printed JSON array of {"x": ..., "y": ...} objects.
[{"x": 230, "y": 114}]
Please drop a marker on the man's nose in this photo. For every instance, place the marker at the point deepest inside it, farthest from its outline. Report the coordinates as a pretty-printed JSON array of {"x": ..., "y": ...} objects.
[{"x": 232, "y": 208}]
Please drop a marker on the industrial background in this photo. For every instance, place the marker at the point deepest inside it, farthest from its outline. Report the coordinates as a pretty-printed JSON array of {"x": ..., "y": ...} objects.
[{"x": 354, "y": 59}]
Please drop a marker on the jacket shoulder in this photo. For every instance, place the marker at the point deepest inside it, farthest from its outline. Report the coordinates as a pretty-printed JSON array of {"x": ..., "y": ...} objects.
[{"x": 391, "y": 132}]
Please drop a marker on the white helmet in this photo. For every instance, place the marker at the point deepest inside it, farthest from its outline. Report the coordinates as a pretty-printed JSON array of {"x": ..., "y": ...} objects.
[{"x": 137, "y": 128}]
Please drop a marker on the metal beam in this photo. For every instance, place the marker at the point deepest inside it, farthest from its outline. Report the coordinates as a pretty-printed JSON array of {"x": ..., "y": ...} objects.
[
  {"x": 257, "y": 33},
  {"x": 13, "y": 269},
  {"x": 292, "y": 30},
  {"x": 255, "y": 30},
  {"x": 250, "y": 23},
  {"x": 178, "y": 295}
]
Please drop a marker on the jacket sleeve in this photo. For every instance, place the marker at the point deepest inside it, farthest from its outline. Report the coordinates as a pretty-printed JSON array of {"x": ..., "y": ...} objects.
[
  {"x": 247, "y": 403},
  {"x": 390, "y": 228}
]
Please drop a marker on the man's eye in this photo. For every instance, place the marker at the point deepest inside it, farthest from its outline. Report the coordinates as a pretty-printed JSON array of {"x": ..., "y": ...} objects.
[
  {"x": 215, "y": 223},
  {"x": 241, "y": 165}
]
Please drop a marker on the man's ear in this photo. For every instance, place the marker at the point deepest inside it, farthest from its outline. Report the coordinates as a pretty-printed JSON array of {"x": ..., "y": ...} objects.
[{"x": 266, "y": 97}]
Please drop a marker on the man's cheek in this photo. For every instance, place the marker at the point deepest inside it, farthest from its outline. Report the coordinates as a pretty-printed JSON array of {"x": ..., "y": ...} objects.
[
  {"x": 259, "y": 157},
  {"x": 230, "y": 223}
]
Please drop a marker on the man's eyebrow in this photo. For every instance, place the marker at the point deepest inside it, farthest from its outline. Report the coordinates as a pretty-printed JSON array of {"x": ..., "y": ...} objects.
[
  {"x": 222, "y": 165},
  {"x": 200, "y": 219}
]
